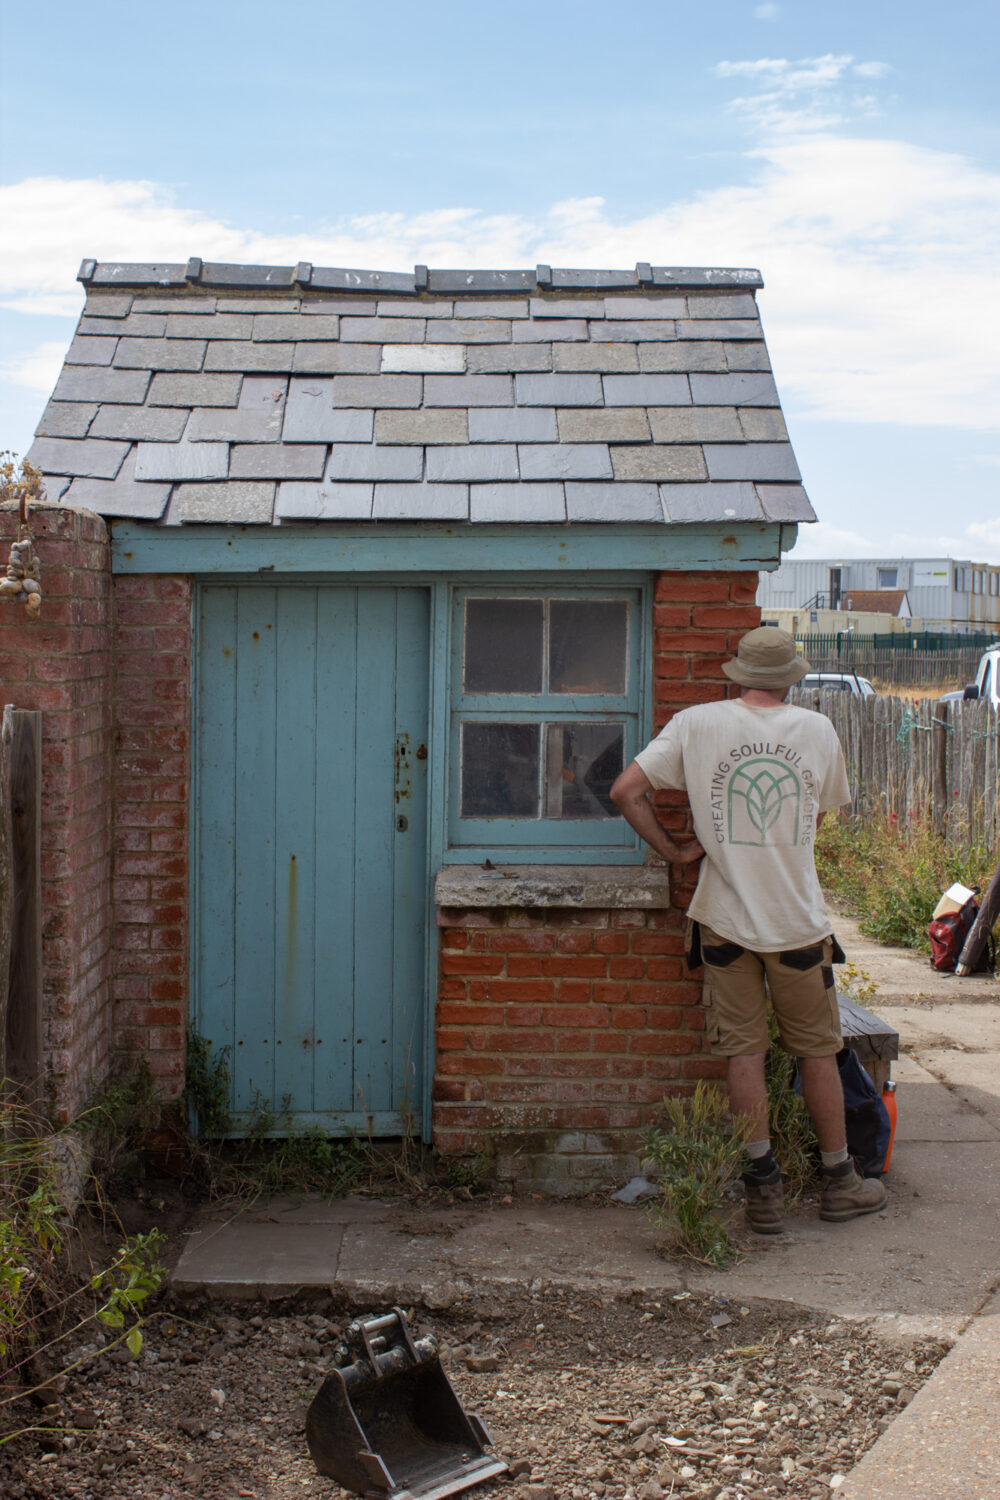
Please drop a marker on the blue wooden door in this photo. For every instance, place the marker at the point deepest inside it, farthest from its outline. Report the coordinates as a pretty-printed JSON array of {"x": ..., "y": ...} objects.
[{"x": 311, "y": 724}]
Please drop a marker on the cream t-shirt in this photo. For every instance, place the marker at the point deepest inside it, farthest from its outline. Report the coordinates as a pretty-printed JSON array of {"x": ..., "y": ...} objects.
[{"x": 757, "y": 779}]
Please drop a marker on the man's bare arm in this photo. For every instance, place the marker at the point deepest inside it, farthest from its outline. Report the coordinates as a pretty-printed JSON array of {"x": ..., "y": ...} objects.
[{"x": 630, "y": 794}]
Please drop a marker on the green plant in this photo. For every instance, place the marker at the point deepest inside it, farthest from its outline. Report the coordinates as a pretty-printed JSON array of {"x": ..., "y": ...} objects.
[
  {"x": 117, "y": 1114},
  {"x": 208, "y": 1086},
  {"x": 793, "y": 1139},
  {"x": 698, "y": 1153}
]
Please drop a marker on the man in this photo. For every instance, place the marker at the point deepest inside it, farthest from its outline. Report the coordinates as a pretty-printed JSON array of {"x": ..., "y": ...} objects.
[{"x": 760, "y": 774}]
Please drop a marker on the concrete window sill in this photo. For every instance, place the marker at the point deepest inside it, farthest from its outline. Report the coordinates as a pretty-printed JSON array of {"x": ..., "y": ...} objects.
[{"x": 529, "y": 886}]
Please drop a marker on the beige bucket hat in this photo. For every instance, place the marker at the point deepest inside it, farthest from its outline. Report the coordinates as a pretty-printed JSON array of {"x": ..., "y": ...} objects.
[{"x": 767, "y": 658}]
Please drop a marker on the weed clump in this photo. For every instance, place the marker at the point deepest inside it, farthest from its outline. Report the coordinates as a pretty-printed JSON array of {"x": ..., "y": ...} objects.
[{"x": 698, "y": 1154}]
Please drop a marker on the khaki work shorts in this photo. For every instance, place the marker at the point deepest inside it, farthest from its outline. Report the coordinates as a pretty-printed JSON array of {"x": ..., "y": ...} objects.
[{"x": 802, "y": 994}]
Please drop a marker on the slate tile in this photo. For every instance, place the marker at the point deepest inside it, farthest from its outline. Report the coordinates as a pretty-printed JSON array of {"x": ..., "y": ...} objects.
[
  {"x": 565, "y": 461},
  {"x": 237, "y": 503},
  {"x": 94, "y": 383},
  {"x": 753, "y": 356},
  {"x": 549, "y": 331},
  {"x": 278, "y": 328},
  {"x": 136, "y": 325},
  {"x": 471, "y": 331},
  {"x": 632, "y": 309},
  {"x": 350, "y": 307},
  {"x": 151, "y": 424},
  {"x": 604, "y": 358},
  {"x": 613, "y": 502},
  {"x": 751, "y": 461},
  {"x": 263, "y": 392},
  {"x": 310, "y": 416},
  {"x": 209, "y": 325},
  {"x": 69, "y": 419},
  {"x": 421, "y": 502},
  {"x": 493, "y": 307},
  {"x": 225, "y": 424},
  {"x": 272, "y": 305},
  {"x": 646, "y": 390},
  {"x": 380, "y": 390},
  {"x": 371, "y": 461},
  {"x": 634, "y": 333},
  {"x": 440, "y": 425},
  {"x": 487, "y": 359},
  {"x": 476, "y": 461},
  {"x": 718, "y": 328},
  {"x": 302, "y": 501},
  {"x": 681, "y": 356},
  {"x": 159, "y": 354},
  {"x": 87, "y": 350},
  {"x": 751, "y": 389},
  {"x": 517, "y": 502},
  {"x": 91, "y": 458},
  {"x": 200, "y": 303},
  {"x": 763, "y": 424},
  {"x": 560, "y": 390},
  {"x": 785, "y": 502},
  {"x": 182, "y": 461},
  {"x": 54, "y": 486},
  {"x": 121, "y": 496},
  {"x": 390, "y": 307},
  {"x": 108, "y": 304},
  {"x": 512, "y": 424},
  {"x": 277, "y": 461},
  {"x": 435, "y": 359},
  {"x": 710, "y": 502},
  {"x": 242, "y": 354},
  {"x": 192, "y": 390},
  {"x": 609, "y": 424},
  {"x": 658, "y": 463},
  {"x": 694, "y": 424},
  {"x": 337, "y": 359},
  {"x": 727, "y": 305},
  {"x": 467, "y": 390},
  {"x": 570, "y": 307},
  {"x": 383, "y": 330}
]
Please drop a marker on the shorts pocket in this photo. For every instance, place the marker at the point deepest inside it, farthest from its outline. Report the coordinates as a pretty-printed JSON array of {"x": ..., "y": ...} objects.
[
  {"x": 803, "y": 958},
  {"x": 721, "y": 955}
]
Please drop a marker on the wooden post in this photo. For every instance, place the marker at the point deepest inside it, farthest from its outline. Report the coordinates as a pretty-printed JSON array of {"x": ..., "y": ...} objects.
[
  {"x": 6, "y": 896},
  {"x": 981, "y": 928},
  {"x": 939, "y": 761},
  {"x": 22, "y": 795}
]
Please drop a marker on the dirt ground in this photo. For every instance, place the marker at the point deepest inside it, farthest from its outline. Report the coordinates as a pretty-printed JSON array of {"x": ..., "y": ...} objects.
[{"x": 631, "y": 1399}]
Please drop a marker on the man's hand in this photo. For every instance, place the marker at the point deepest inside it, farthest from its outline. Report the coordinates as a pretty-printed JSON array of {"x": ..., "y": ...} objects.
[{"x": 630, "y": 794}]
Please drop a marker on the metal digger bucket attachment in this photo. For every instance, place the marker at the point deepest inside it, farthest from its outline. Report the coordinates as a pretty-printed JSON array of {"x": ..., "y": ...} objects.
[{"x": 386, "y": 1422}]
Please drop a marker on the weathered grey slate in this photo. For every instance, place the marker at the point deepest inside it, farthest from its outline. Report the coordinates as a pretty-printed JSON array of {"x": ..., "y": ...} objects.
[
  {"x": 310, "y": 416},
  {"x": 192, "y": 390},
  {"x": 609, "y": 424},
  {"x": 762, "y": 424},
  {"x": 160, "y": 354},
  {"x": 658, "y": 462},
  {"x": 237, "y": 503},
  {"x": 565, "y": 461},
  {"x": 121, "y": 496},
  {"x": 87, "y": 350},
  {"x": 91, "y": 458},
  {"x": 559, "y": 390},
  {"x": 734, "y": 390},
  {"x": 69, "y": 419},
  {"x": 423, "y": 502},
  {"x": 472, "y": 461},
  {"x": 370, "y": 461},
  {"x": 150, "y": 424},
  {"x": 646, "y": 390},
  {"x": 512, "y": 424},
  {"x": 785, "y": 502},
  {"x": 751, "y": 461},
  {"x": 695, "y": 424},
  {"x": 337, "y": 359},
  {"x": 468, "y": 390},
  {"x": 613, "y": 502},
  {"x": 299, "y": 501},
  {"x": 277, "y": 460},
  {"x": 517, "y": 502},
  {"x": 380, "y": 390},
  {"x": 685, "y": 503},
  {"x": 443, "y": 425},
  {"x": 621, "y": 359},
  {"x": 90, "y": 383},
  {"x": 432, "y": 359},
  {"x": 182, "y": 461}
]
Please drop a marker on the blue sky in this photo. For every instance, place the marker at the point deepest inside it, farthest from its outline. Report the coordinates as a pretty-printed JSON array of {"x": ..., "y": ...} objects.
[{"x": 850, "y": 151}]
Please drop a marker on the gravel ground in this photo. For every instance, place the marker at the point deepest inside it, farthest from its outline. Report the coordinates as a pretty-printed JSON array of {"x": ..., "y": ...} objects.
[{"x": 630, "y": 1400}]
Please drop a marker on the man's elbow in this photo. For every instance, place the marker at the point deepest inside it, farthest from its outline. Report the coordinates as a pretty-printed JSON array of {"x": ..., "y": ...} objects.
[{"x": 626, "y": 788}]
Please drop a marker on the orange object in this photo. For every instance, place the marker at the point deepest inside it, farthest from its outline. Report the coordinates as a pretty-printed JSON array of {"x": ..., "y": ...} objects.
[{"x": 889, "y": 1100}]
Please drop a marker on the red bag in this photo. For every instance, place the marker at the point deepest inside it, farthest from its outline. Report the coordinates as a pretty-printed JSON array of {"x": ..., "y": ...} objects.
[{"x": 948, "y": 935}]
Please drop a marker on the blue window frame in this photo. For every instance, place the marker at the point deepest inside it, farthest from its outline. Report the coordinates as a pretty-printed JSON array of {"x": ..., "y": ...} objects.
[{"x": 546, "y": 708}]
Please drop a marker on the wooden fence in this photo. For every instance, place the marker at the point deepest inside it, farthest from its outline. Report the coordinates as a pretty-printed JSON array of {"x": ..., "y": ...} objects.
[
  {"x": 912, "y": 758},
  {"x": 921, "y": 671},
  {"x": 20, "y": 903}
]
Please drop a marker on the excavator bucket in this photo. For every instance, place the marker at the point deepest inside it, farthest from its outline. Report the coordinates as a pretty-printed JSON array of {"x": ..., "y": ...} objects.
[{"x": 386, "y": 1423}]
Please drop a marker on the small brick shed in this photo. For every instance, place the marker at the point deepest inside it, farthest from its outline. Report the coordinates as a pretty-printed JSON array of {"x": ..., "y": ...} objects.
[{"x": 359, "y": 589}]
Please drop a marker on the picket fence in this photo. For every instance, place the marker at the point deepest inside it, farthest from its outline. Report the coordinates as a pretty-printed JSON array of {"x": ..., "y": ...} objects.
[{"x": 912, "y": 759}]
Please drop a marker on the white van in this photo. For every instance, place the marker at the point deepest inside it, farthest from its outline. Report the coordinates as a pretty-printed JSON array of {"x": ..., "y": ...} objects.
[{"x": 839, "y": 682}]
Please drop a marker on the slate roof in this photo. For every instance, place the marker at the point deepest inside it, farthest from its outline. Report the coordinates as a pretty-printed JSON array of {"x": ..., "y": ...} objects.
[{"x": 272, "y": 394}]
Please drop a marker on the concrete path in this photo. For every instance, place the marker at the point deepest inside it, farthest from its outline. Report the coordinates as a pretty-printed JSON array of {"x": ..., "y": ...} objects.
[{"x": 928, "y": 1264}]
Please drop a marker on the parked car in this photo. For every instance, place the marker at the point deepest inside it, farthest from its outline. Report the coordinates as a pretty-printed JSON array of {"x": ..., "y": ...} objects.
[
  {"x": 987, "y": 682},
  {"x": 839, "y": 682}
]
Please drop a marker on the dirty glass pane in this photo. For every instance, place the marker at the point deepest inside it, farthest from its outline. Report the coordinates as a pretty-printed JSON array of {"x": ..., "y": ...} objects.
[
  {"x": 588, "y": 645},
  {"x": 500, "y": 770},
  {"x": 503, "y": 645},
  {"x": 581, "y": 762}
]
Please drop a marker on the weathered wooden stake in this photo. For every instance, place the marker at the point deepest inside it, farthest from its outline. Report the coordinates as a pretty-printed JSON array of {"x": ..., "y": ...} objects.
[
  {"x": 981, "y": 928},
  {"x": 939, "y": 752},
  {"x": 21, "y": 796}
]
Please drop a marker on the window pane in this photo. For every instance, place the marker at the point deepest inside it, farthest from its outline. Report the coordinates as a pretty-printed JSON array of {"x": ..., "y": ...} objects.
[
  {"x": 500, "y": 770},
  {"x": 581, "y": 762},
  {"x": 588, "y": 644},
  {"x": 503, "y": 645}
]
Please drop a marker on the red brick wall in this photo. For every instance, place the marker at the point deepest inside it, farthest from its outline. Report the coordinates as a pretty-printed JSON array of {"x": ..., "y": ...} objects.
[
  {"x": 558, "y": 1032},
  {"x": 152, "y": 692},
  {"x": 61, "y": 665}
]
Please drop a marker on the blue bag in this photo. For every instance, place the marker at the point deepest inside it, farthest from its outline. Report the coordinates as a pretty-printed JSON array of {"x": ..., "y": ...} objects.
[{"x": 868, "y": 1128}]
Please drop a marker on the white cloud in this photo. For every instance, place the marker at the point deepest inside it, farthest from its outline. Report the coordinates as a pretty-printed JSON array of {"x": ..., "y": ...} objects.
[
  {"x": 872, "y": 69},
  {"x": 38, "y": 370},
  {"x": 810, "y": 94}
]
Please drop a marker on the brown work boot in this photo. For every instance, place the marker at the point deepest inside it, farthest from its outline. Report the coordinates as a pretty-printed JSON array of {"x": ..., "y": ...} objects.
[
  {"x": 763, "y": 1202},
  {"x": 845, "y": 1195}
]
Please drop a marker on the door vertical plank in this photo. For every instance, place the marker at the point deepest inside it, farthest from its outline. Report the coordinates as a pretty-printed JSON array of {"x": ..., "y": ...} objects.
[
  {"x": 253, "y": 1063},
  {"x": 410, "y": 895},
  {"x": 336, "y": 783},
  {"x": 22, "y": 729},
  {"x": 215, "y": 940},
  {"x": 295, "y": 848}
]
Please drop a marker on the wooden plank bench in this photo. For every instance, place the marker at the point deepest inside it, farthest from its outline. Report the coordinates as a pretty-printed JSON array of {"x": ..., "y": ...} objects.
[{"x": 872, "y": 1039}]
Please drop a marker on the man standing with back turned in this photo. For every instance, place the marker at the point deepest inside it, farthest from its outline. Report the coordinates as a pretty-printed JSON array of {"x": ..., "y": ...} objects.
[{"x": 760, "y": 774}]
